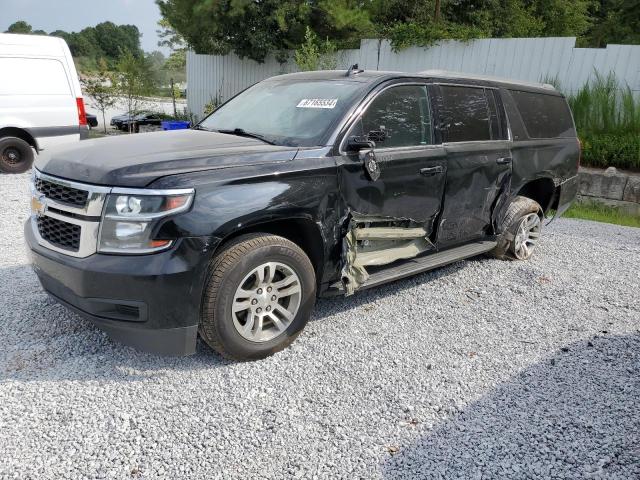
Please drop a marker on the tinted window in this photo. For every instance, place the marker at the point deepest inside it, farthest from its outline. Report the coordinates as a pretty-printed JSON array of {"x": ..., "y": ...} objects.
[
  {"x": 464, "y": 114},
  {"x": 403, "y": 114},
  {"x": 544, "y": 116}
]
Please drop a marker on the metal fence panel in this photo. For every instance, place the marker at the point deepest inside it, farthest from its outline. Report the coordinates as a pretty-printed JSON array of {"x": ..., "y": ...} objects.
[{"x": 531, "y": 59}]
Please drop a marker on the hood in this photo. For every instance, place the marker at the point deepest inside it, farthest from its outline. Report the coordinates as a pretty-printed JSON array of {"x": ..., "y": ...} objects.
[{"x": 137, "y": 160}]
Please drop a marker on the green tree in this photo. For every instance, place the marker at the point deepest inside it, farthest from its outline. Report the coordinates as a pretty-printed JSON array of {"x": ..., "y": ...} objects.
[
  {"x": 315, "y": 55},
  {"x": 19, "y": 27},
  {"x": 177, "y": 60},
  {"x": 614, "y": 21},
  {"x": 132, "y": 81},
  {"x": 255, "y": 29},
  {"x": 102, "y": 95}
]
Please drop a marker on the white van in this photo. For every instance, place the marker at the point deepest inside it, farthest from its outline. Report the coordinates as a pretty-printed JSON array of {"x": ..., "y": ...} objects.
[{"x": 40, "y": 99}]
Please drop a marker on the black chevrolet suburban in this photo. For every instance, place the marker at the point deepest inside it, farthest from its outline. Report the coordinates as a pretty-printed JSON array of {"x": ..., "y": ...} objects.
[{"x": 304, "y": 185}]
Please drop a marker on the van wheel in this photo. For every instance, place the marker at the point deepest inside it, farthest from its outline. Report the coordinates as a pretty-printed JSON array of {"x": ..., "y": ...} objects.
[
  {"x": 521, "y": 227},
  {"x": 258, "y": 296},
  {"x": 16, "y": 155}
]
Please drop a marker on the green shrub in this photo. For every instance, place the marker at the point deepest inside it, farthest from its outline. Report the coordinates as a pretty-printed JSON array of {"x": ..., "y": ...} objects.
[
  {"x": 620, "y": 150},
  {"x": 607, "y": 118}
]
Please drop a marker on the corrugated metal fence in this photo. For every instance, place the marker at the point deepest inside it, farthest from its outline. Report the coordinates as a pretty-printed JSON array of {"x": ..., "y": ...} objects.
[{"x": 532, "y": 59}]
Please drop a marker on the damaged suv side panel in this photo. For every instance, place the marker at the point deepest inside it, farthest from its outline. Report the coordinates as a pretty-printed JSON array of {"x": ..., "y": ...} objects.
[{"x": 304, "y": 185}]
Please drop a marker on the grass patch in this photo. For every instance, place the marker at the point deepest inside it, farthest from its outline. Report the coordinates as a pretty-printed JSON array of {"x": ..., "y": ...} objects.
[
  {"x": 96, "y": 132},
  {"x": 599, "y": 212}
]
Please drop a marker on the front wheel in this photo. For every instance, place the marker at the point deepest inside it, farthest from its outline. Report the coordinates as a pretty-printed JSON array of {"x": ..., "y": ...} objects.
[
  {"x": 16, "y": 155},
  {"x": 521, "y": 230},
  {"x": 258, "y": 297}
]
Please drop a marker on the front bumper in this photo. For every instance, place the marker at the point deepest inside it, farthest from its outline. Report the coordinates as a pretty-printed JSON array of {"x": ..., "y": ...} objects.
[{"x": 150, "y": 302}]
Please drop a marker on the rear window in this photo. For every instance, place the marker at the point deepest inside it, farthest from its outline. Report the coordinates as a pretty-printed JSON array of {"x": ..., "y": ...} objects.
[
  {"x": 33, "y": 76},
  {"x": 464, "y": 114},
  {"x": 544, "y": 116}
]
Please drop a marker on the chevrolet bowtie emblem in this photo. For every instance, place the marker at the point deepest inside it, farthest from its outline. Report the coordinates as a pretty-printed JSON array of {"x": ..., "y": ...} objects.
[{"x": 38, "y": 206}]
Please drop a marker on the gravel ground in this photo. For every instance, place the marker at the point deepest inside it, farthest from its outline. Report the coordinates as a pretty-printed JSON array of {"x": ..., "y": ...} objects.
[{"x": 483, "y": 369}]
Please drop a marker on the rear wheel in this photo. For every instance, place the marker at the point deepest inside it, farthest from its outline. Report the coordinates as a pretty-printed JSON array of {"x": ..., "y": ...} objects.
[
  {"x": 16, "y": 155},
  {"x": 521, "y": 227},
  {"x": 258, "y": 297}
]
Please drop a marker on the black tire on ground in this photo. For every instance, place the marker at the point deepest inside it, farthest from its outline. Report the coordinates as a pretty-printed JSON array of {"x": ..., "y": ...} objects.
[
  {"x": 517, "y": 211},
  {"x": 16, "y": 155},
  {"x": 225, "y": 274}
]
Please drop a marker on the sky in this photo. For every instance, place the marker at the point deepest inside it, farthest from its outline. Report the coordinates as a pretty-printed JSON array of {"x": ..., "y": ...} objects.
[{"x": 74, "y": 15}]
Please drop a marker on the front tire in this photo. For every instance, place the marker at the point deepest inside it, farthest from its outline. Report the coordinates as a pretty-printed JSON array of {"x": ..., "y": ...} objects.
[
  {"x": 16, "y": 155},
  {"x": 258, "y": 296},
  {"x": 521, "y": 230}
]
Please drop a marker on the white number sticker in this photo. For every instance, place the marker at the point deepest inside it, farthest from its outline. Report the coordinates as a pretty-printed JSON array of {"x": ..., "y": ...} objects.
[{"x": 317, "y": 103}]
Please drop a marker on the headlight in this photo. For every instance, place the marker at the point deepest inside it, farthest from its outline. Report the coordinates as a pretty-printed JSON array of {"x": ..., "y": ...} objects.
[{"x": 130, "y": 216}]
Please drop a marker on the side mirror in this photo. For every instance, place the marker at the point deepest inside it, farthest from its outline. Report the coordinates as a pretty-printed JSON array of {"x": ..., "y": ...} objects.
[{"x": 357, "y": 143}]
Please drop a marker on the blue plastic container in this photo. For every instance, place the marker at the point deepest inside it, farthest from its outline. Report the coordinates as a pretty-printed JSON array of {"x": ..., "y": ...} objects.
[{"x": 174, "y": 125}]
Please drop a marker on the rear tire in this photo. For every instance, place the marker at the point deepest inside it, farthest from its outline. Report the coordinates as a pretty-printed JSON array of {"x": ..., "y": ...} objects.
[
  {"x": 258, "y": 296},
  {"x": 16, "y": 155},
  {"x": 521, "y": 230}
]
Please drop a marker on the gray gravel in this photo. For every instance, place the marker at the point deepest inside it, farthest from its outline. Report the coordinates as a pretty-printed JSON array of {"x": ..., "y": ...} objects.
[{"x": 483, "y": 369}]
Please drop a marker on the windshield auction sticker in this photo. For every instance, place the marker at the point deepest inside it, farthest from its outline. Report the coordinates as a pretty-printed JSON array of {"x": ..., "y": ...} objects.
[{"x": 317, "y": 103}]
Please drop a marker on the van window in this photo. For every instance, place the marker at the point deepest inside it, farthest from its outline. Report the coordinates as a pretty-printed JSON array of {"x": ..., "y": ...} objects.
[
  {"x": 403, "y": 114},
  {"x": 33, "y": 76},
  {"x": 464, "y": 114},
  {"x": 544, "y": 116}
]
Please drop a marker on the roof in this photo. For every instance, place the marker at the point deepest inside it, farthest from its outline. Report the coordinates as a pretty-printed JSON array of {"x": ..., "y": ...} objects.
[
  {"x": 371, "y": 76},
  {"x": 483, "y": 78},
  {"x": 12, "y": 44}
]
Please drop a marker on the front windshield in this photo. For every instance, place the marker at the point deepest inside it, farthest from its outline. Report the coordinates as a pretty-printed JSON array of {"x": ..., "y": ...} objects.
[{"x": 287, "y": 112}]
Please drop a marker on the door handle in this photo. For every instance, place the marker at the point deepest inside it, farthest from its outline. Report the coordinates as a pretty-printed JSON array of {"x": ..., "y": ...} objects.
[
  {"x": 427, "y": 172},
  {"x": 503, "y": 160}
]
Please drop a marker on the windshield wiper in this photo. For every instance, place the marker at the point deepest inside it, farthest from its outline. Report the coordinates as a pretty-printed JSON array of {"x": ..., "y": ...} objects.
[{"x": 241, "y": 132}]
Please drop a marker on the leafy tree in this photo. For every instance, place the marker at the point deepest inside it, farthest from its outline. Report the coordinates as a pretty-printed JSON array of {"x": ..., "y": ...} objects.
[
  {"x": 102, "y": 95},
  {"x": 614, "y": 21},
  {"x": 132, "y": 81},
  {"x": 106, "y": 41},
  {"x": 315, "y": 55},
  {"x": 19, "y": 27},
  {"x": 250, "y": 29},
  {"x": 177, "y": 60},
  {"x": 254, "y": 29}
]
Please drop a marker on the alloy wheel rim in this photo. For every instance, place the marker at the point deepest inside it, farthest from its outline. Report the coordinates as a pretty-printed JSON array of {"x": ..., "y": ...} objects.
[
  {"x": 266, "y": 302},
  {"x": 527, "y": 236}
]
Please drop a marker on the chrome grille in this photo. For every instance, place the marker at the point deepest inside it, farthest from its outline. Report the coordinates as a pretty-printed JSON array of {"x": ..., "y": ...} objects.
[
  {"x": 66, "y": 214},
  {"x": 62, "y": 193},
  {"x": 62, "y": 234}
]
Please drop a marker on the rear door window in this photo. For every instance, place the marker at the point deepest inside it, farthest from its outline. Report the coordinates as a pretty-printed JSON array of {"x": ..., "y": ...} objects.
[
  {"x": 33, "y": 76},
  {"x": 401, "y": 115},
  {"x": 464, "y": 114},
  {"x": 544, "y": 116}
]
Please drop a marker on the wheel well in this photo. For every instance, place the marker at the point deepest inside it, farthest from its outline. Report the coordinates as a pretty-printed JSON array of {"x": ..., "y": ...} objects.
[
  {"x": 20, "y": 133},
  {"x": 540, "y": 190},
  {"x": 302, "y": 232}
]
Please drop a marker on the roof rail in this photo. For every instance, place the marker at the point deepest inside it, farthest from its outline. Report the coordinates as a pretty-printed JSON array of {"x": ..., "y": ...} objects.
[{"x": 460, "y": 75}]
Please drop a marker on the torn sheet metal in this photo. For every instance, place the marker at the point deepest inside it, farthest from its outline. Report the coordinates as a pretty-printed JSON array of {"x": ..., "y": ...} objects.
[{"x": 375, "y": 241}]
